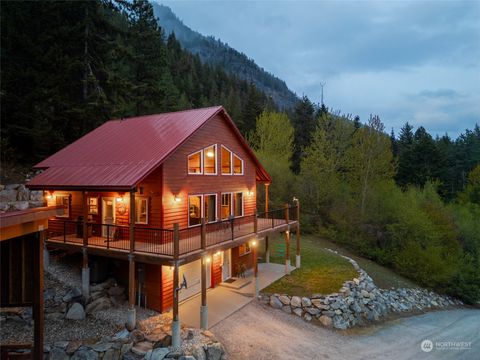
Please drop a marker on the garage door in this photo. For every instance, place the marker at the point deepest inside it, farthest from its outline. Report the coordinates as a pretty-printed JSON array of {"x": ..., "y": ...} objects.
[{"x": 192, "y": 272}]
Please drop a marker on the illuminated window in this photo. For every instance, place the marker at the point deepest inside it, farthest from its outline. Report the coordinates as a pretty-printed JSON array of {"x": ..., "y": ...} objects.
[
  {"x": 194, "y": 210},
  {"x": 238, "y": 204},
  {"x": 195, "y": 163},
  {"x": 63, "y": 201},
  {"x": 244, "y": 249},
  {"x": 237, "y": 165},
  {"x": 210, "y": 207},
  {"x": 141, "y": 210},
  {"x": 226, "y": 161},
  {"x": 210, "y": 160},
  {"x": 226, "y": 206}
]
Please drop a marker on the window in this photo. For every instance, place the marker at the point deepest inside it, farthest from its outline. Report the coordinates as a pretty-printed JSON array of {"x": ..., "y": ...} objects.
[
  {"x": 141, "y": 210},
  {"x": 92, "y": 203},
  {"x": 64, "y": 201},
  {"x": 210, "y": 208},
  {"x": 226, "y": 161},
  {"x": 244, "y": 249},
  {"x": 226, "y": 206},
  {"x": 195, "y": 163},
  {"x": 210, "y": 160},
  {"x": 238, "y": 204},
  {"x": 237, "y": 165},
  {"x": 194, "y": 210}
]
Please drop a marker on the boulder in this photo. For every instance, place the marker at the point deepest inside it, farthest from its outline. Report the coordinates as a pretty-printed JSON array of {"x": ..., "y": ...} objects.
[
  {"x": 298, "y": 311},
  {"x": 55, "y": 316},
  {"x": 339, "y": 323},
  {"x": 142, "y": 348},
  {"x": 20, "y": 205},
  {"x": 85, "y": 354},
  {"x": 325, "y": 321},
  {"x": 306, "y": 302},
  {"x": 123, "y": 334},
  {"x": 164, "y": 341},
  {"x": 73, "y": 346},
  {"x": 156, "y": 354},
  {"x": 36, "y": 195},
  {"x": 76, "y": 312},
  {"x": 71, "y": 294},
  {"x": 111, "y": 354},
  {"x": 125, "y": 348},
  {"x": 275, "y": 302},
  {"x": 214, "y": 351},
  {"x": 12, "y": 186},
  {"x": 284, "y": 299},
  {"x": 199, "y": 353},
  {"x": 23, "y": 194},
  {"x": 58, "y": 354},
  {"x": 99, "y": 304},
  {"x": 312, "y": 311},
  {"x": 116, "y": 291},
  {"x": 35, "y": 204},
  {"x": 8, "y": 195},
  {"x": 61, "y": 344},
  {"x": 102, "y": 346},
  {"x": 287, "y": 309},
  {"x": 4, "y": 206},
  {"x": 307, "y": 317},
  {"x": 296, "y": 301},
  {"x": 137, "y": 336}
]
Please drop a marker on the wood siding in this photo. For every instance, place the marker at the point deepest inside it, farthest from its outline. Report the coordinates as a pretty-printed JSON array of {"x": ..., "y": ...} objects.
[
  {"x": 216, "y": 270},
  {"x": 177, "y": 181},
  {"x": 167, "y": 288},
  {"x": 153, "y": 285},
  {"x": 246, "y": 259}
]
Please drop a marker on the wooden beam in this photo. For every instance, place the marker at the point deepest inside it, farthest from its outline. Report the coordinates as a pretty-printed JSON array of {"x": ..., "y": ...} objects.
[
  {"x": 203, "y": 264},
  {"x": 266, "y": 196},
  {"x": 132, "y": 221},
  {"x": 38, "y": 306},
  {"x": 298, "y": 227},
  {"x": 85, "y": 234}
]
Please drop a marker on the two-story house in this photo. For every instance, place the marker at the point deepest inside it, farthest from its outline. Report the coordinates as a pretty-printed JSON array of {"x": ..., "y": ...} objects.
[{"x": 169, "y": 196}]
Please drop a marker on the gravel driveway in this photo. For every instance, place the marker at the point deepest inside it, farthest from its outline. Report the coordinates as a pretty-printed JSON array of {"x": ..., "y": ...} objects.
[{"x": 259, "y": 332}]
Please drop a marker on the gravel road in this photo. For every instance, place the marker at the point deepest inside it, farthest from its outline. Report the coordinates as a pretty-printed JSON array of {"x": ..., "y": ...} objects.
[{"x": 259, "y": 332}]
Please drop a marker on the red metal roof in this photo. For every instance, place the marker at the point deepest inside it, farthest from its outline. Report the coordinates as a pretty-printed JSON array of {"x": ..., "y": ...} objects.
[{"x": 120, "y": 153}]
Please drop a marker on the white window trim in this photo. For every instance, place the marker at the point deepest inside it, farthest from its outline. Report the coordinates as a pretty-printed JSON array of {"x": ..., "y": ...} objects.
[
  {"x": 216, "y": 206},
  {"x": 231, "y": 162},
  {"x": 201, "y": 163},
  {"x": 231, "y": 204},
  {"x": 137, "y": 213},
  {"x": 216, "y": 160},
  {"x": 245, "y": 253},
  {"x": 243, "y": 204},
  {"x": 188, "y": 209}
]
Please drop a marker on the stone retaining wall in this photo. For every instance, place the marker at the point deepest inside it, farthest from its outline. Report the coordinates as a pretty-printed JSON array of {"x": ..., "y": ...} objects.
[
  {"x": 15, "y": 197},
  {"x": 358, "y": 302}
]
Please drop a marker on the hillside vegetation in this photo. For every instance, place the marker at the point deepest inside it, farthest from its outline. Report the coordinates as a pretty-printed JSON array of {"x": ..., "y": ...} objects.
[{"x": 352, "y": 191}]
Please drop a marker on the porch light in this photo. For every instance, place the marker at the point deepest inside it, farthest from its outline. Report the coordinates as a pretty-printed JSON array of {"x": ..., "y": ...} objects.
[
  {"x": 217, "y": 253},
  {"x": 295, "y": 199},
  {"x": 171, "y": 268},
  {"x": 287, "y": 232},
  {"x": 177, "y": 198},
  {"x": 253, "y": 243},
  {"x": 49, "y": 195},
  {"x": 208, "y": 259},
  {"x": 119, "y": 199},
  {"x": 250, "y": 193}
]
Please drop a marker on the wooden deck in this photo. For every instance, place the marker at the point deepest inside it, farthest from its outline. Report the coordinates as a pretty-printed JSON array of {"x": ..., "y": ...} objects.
[{"x": 158, "y": 247}]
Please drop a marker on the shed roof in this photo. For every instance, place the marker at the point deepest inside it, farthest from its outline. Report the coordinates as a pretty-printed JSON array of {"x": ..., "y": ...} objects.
[{"x": 121, "y": 153}]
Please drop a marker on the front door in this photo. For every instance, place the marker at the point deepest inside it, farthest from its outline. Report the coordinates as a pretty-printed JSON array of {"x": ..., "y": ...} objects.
[
  {"x": 226, "y": 265},
  {"x": 108, "y": 216}
]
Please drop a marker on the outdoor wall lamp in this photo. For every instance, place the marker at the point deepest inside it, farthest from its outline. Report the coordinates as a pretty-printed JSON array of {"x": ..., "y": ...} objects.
[
  {"x": 253, "y": 243},
  {"x": 177, "y": 198},
  {"x": 119, "y": 199},
  {"x": 49, "y": 195},
  {"x": 217, "y": 253},
  {"x": 250, "y": 193},
  {"x": 208, "y": 259}
]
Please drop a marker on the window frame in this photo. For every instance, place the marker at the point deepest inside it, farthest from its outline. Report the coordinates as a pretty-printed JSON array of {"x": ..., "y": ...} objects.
[
  {"x": 233, "y": 164},
  {"x": 243, "y": 203},
  {"x": 216, "y": 207},
  {"x": 247, "y": 244},
  {"x": 201, "y": 162},
  {"x": 231, "y": 161},
  {"x": 231, "y": 205},
  {"x": 69, "y": 205},
  {"x": 188, "y": 210},
  {"x": 216, "y": 160},
  {"x": 142, "y": 198}
]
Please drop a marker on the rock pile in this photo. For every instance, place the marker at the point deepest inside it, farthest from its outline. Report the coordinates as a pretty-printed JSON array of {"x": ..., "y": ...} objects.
[
  {"x": 151, "y": 341},
  {"x": 358, "y": 302},
  {"x": 71, "y": 305},
  {"x": 15, "y": 197}
]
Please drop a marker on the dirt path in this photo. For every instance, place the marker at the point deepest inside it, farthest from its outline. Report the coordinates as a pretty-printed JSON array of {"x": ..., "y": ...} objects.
[{"x": 259, "y": 332}]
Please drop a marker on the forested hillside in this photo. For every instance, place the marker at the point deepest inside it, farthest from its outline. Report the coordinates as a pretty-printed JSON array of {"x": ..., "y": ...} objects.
[
  {"x": 411, "y": 203},
  {"x": 67, "y": 67},
  {"x": 215, "y": 52}
]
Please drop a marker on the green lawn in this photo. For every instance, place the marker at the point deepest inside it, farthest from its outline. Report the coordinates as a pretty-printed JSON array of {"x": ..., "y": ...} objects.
[{"x": 321, "y": 272}]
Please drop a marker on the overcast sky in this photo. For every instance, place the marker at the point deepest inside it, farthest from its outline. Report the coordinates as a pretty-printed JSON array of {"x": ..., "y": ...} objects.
[{"x": 405, "y": 61}]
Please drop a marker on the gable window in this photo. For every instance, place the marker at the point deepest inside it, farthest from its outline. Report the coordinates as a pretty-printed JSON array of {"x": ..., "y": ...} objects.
[
  {"x": 244, "y": 249},
  {"x": 210, "y": 208},
  {"x": 238, "y": 204},
  {"x": 141, "y": 210},
  {"x": 64, "y": 202},
  {"x": 237, "y": 165},
  {"x": 226, "y": 205},
  {"x": 226, "y": 161},
  {"x": 194, "y": 210},
  {"x": 210, "y": 160},
  {"x": 195, "y": 163}
]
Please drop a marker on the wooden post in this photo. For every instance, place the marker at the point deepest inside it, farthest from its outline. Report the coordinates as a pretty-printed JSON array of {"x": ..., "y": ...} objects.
[
  {"x": 298, "y": 257},
  {"x": 203, "y": 307},
  {"x": 85, "y": 269},
  {"x": 38, "y": 305},
  {"x": 176, "y": 340},
  {"x": 287, "y": 241},
  {"x": 255, "y": 254},
  {"x": 267, "y": 248},
  {"x": 131, "y": 320},
  {"x": 266, "y": 196}
]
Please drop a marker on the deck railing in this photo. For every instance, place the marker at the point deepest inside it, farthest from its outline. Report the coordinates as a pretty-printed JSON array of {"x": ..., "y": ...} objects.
[{"x": 160, "y": 241}]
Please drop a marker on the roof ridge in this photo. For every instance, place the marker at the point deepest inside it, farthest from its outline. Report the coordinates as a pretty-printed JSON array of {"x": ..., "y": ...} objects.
[{"x": 166, "y": 113}]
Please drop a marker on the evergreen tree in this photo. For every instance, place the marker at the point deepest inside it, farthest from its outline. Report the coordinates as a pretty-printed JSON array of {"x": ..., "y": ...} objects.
[{"x": 304, "y": 124}]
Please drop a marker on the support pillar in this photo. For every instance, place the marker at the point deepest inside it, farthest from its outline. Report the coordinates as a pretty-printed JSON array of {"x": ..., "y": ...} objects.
[
  {"x": 203, "y": 306},
  {"x": 297, "y": 259},
  {"x": 267, "y": 247},
  {"x": 287, "y": 242},
  {"x": 255, "y": 255},
  {"x": 38, "y": 303},
  {"x": 131, "y": 315},
  {"x": 267, "y": 250},
  {"x": 85, "y": 268},
  {"x": 46, "y": 257},
  {"x": 176, "y": 339}
]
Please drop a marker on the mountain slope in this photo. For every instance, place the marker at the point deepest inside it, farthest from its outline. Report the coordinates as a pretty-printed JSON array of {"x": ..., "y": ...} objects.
[{"x": 215, "y": 52}]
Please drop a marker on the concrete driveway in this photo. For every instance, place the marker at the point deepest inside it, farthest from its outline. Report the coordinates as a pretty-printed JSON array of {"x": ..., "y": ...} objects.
[{"x": 260, "y": 332}]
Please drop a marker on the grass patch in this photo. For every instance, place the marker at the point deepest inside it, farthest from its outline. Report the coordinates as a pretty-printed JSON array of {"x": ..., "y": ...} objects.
[{"x": 321, "y": 271}]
